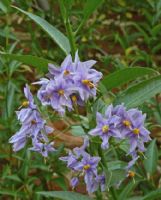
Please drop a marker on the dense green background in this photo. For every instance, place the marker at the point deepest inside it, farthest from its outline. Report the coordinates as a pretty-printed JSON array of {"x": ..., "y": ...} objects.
[{"x": 124, "y": 37}]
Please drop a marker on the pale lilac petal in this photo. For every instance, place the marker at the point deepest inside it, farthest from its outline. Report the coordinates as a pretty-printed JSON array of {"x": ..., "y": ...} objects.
[
  {"x": 96, "y": 131},
  {"x": 74, "y": 182}
]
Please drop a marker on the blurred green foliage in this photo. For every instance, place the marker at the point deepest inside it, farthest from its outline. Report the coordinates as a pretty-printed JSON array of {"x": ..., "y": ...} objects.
[{"x": 119, "y": 34}]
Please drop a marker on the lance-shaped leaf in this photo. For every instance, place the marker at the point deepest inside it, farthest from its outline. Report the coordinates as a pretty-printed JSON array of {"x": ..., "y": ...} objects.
[
  {"x": 150, "y": 163},
  {"x": 154, "y": 195},
  {"x": 53, "y": 32},
  {"x": 65, "y": 195},
  {"x": 138, "y": 94},
  {"x": 40, "y": 63},
  {"x": 123, "y": 76},
  {"x": 88, "y": 9}
]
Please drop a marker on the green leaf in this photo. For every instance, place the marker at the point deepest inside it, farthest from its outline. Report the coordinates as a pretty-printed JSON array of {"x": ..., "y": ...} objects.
[
  {"x": 10, "y": 98},
  {"x": 53, "y": 32},
  {"x": 65, "y": 195},
  {"x": 3, "y": 7},
  {"x": 154, "y": 195},
  {"x": 40, "y": 166},
  {"x": 89, "y": 7},
  {"x": 156, "y": 29},
  {"x": 117, "y": 164},
  {"x": 150, "y": 163},
  {"x": 113, "y": 177},
  {"x": 135, "y": 198},
  {"x": 11, "y": 193},
  {"x": 138, "y": 94},
  {"x": 13, "y": 177},
  {"x": 123, "y": 76},
  {"x": 77, "y": 131},
  {"x": 40, "y": 63},
  {"x": 60, "y": 181},
  {"x": 142, "y": 31},
  {"x": 156, "y": 48},
  {"x": 127, "y": 190},
  {"x": 4, "y": 33}
]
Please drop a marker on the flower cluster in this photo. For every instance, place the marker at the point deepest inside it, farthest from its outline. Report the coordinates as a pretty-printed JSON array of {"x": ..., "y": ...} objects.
[
  {"x": 122, "y": 124},
  {"x": 71, "y": 84},
  {"x": 33, "y": 126},
  {"x": 83, "y": 164}
]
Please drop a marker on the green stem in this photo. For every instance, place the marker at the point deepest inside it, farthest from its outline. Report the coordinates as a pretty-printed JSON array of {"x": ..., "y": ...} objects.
[
  {"x": 103, "y": 160},
  {"x": 101, "y": 154},
  {"x": 80, "y": 26},
  {"x": 113, "y": 193},
  {"x": 99, "y": 195},
  {"x": 8, "y": 70},
  {"x": 71, "y": 37}
]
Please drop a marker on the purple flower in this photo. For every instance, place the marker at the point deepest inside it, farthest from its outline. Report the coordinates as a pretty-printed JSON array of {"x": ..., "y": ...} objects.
[
  {"x": 88, "y": 164},
  {"x": 19, "y": 139},
  {"x": 82, "y": 163},
  {"x": 29, "y": 97},
  {"x": 74, "y": 182},
  {"x": 76, "y": 100},
  {"x": 79, "y": 151},
  {"x": 122, "y": 124},
  {"x": 42, "y": 148},
  {"x": 132, "y": 128},
  {"x": 66, "y": 69},
  {"x": 92, "y": 183},
  {"x": 33, "y": 126},
  {"x": 59, "y": 92},
  {"x": 42, "y": 94},
  {"x": 135, "y": 131},
  {"x": 101, "y": 181},
  {"x": 25, "y": 113},
  {"x": 88, "y": 64},
  {"x": 132, "y": 162},
  {"x": 71, "y": 159},
  {"x": 69, "y": 85},
  {"x": 106, "y": 127},
  {"x": 74, "y": 157},
  {"x": 30, "y": 128},
  {"x": 86, "y": 80}
]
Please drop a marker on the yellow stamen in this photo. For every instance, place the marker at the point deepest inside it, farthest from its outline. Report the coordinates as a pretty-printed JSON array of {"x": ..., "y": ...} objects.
[
  {"x": 131, "y": 174},
  {"x": 88, "y": 83},
  {"x": 25, "y": 103},
  {"x": 66, "y": 72},
  {"x": 61, "y": 92},
  {"x": 136, "y": 131},
  {"x": 86, "y": 167},
  {"x": 105, "y": 129},
  {"x": 126, "y": 123},
  {"x": 74, "y": 98}
]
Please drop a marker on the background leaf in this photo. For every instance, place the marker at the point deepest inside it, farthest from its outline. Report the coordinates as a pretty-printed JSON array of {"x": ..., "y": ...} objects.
[
  {"x": 123, "y": 76},
  {"x": 53, "y": 32},
  {"x": 138, "y": 94},
  {"x": 40, "y": 63},
  {"x": 77, "y": 131},
  {"x": 127, "y": 190},
  {"x": 150, "y": 163},
  {"x": 65, "y": 195},
  {"x": 153, "y": 195},
  {"x": 89, "y": 7}
]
